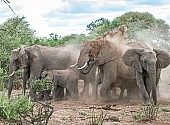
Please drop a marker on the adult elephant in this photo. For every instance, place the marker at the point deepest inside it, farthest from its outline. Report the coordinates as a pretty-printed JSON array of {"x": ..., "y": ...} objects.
[
  {"x": 106, "y": 52},
  {"x": 147, "y": 64},
  {"x": 34, "y": 59}
]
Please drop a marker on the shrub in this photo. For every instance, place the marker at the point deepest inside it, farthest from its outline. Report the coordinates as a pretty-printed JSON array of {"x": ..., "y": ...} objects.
[
  {"x": 20, "y": 110},
  {"x": 40, "y": 85}
]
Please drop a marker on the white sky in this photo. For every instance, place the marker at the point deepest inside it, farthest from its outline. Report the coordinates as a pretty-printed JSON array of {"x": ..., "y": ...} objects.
[{"x": 66, "y": 17}]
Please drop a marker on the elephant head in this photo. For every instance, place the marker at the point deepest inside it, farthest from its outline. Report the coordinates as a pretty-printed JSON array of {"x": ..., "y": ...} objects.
[
  {"x": 47, "y": 74},
  {"x": 146, "y": 62},
  {"x": 96, "y": 52},
  {"x": 101, "y": 50},
  {"x": 18, "y": 60}
]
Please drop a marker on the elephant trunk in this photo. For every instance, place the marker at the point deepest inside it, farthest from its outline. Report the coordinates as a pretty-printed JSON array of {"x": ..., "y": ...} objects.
[
  {"x": 26, "y": 75},
  {"x": 12, "y": 68},
  {"x": 152, "y": 75}
]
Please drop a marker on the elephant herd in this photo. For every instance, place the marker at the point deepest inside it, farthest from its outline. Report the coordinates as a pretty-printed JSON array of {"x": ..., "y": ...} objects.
[{"x": 109, "y": 60}]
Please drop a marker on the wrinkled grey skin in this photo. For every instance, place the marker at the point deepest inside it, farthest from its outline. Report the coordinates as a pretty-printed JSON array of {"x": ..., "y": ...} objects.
[
  {"x": 34, "y": 59},
  {"x": 129, "y": 84},
  {"x": 147, "y": 63},
  {"x": 109, "y": 60},
  {"x": 64, "y": 78}
]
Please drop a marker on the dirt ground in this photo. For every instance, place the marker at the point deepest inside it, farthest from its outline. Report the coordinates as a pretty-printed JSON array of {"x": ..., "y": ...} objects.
[{"x": 116, "y": 112}]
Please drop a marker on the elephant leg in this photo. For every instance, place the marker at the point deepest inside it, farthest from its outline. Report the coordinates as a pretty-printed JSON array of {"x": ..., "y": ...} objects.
[
  {"x": 58, "y": 93},
  {"x": 85, "y": 92},
  {"x": 104, "y": 89},
  {"x": 94, "y": 90},
  {"x": 109, "y": 77},
  {"x": 109, "y": 93},
  {"x": 32, "y": 93},
  {"x": 121, "y": 96},
  {"x": 67, "y": 95},
  {"x": 142, "y": 88},
  {"x": 73, "y": 94}
]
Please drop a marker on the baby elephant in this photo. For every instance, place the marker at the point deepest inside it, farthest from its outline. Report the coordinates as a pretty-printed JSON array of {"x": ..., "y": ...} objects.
[{"x": 63, "y": 79}]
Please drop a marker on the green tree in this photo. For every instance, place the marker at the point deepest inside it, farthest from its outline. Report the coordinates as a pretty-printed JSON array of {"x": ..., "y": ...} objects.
[
  {"x": 13, "y": 33},
  {"x": 142, "y": 27}
]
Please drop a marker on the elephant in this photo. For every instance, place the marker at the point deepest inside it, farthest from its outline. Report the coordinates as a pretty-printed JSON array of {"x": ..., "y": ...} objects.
[
  {"x": 147, "y": 64},
  {"x": 34, "y": 59},
  {"x": 106, "y": 53},
  {"x": 66, "y": 78},
  {"x": 129, "y": 84}
]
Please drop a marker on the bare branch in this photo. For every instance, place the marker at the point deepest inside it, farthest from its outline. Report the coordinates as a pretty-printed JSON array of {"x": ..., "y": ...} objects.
[{"x": 7, "y": 3}]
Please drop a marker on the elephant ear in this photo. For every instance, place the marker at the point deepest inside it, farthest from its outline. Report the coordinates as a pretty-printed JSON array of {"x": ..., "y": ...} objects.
[
  {"x": 31, "y": 52},
  {"x": 163, "y": 58},
  {"x": 131, "y": 58},
  {"x": 106, "y": 54},
  {"x": 18, "y": 53}
]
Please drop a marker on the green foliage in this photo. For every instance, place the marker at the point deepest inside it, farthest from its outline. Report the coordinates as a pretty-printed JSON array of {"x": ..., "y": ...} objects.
[
  {"x": 96, "y": 118},
  {"x": 165, "y": 109},
  {"x": 40, "y": 85},
  {"x": 9, "y": 110},
  {"x": 83, "y": 113},
  {"x": 74, "y": 39},
  {"x": 142, "y": 27},
  {"x": 138, "y": 116},
  {"x": 150, "y": 111},
  {"x": 21, "y": 111},
  {"x": 3, "y": 79},
  {"x": 147, "y": 113},
  {"x": 13, "y": 33},
  {"x": 96, "y": 23}
]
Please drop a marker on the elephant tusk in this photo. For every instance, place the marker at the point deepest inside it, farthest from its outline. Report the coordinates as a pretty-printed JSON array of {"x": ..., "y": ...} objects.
[
  {"x": 83, "y": 66},
  {"x": 12, "y": 73},
  {"x": 73, "y": 65}
]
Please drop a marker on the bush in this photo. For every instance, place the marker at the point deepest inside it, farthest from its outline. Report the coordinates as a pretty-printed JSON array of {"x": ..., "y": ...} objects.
[
  {"x": 9, "y": 110},
  {"x": 3, "y": 79},
  {"x": 21, "y": 111},
  {"x": 40, "y": 85}
]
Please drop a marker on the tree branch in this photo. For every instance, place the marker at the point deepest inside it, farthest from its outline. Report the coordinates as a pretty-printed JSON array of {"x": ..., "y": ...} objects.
[{"x": 7, "y": 3}]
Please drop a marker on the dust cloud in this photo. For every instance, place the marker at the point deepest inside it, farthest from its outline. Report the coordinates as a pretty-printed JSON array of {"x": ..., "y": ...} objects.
[{"x": 164, "y": 83}]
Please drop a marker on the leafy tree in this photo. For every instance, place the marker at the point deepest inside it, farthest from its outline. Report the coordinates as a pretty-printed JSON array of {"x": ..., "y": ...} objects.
[
  {"x": 143, "y": 27},
  {"x": 74, "y": 39},
  {"x": 13, "y": 33}
]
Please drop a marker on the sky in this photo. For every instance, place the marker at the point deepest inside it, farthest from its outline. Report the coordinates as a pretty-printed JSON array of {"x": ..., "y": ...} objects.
[{"x": 66, "y": 17}]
